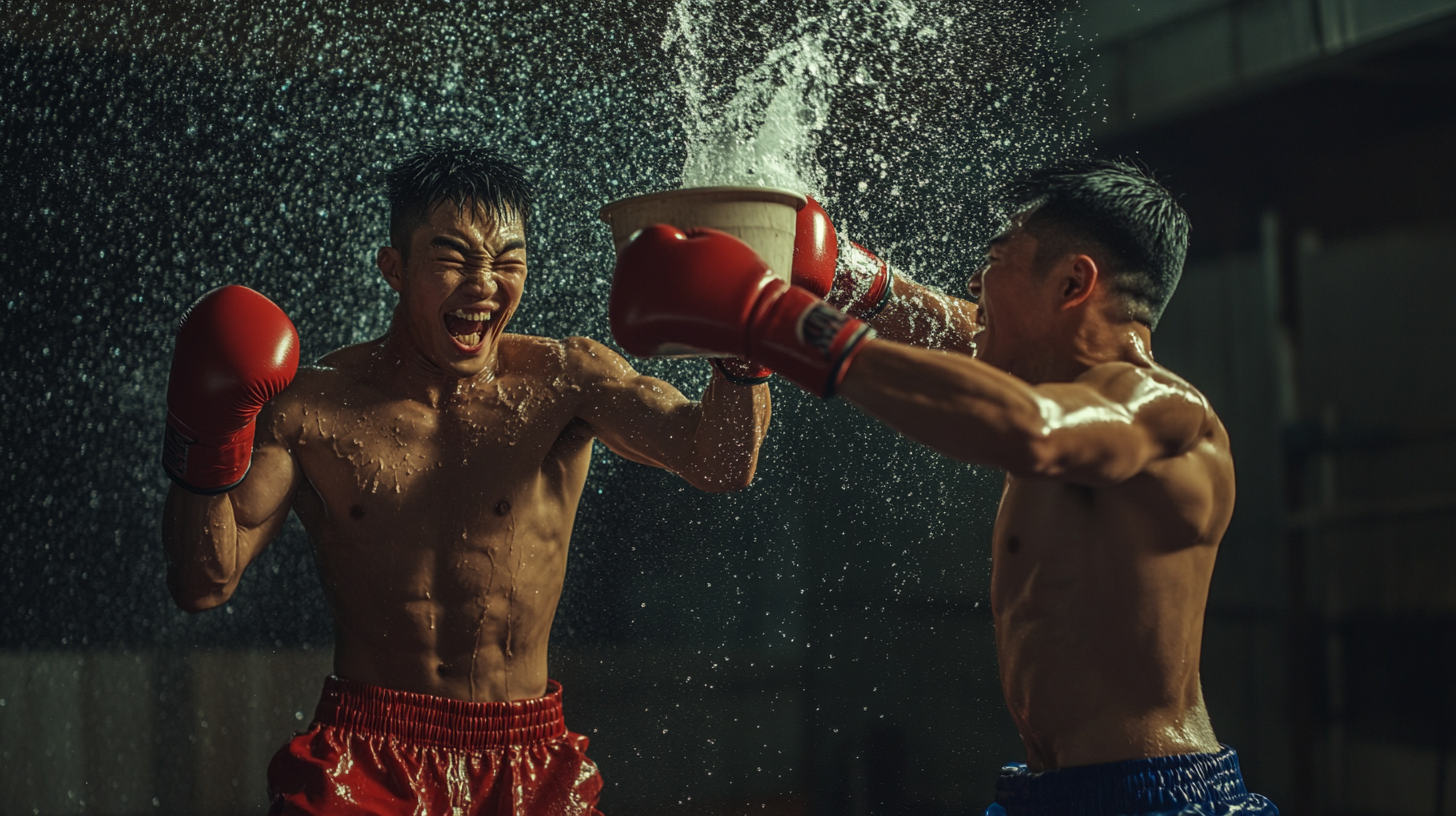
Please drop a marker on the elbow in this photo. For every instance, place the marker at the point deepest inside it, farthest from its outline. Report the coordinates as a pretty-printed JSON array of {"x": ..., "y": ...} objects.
[
  {"x": 721, "y": 483},
  {"x": 1033, "y": 454},
  {"x": 1028, "y": 451},
  {"x": 723, "y": 480},
  {"x": 737, "y": 484},
  {"x": 1039, "y": 456},
  {"x": 1030, "y": 459},
  {"x": 195, "y": 597},
  {"x": 722, "y": 471}
]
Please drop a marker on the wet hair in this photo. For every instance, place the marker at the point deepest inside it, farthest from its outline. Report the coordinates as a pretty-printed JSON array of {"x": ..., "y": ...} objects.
[
  {"x": 463, "y": 174},
  {"x": 1117, "y": 213}
]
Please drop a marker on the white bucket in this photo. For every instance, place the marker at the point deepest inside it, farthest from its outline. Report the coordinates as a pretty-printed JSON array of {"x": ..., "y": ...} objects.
[{"x": 761, "y": 217}]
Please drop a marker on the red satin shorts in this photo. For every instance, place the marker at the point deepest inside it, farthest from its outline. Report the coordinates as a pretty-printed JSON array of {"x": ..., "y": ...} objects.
[{"x": 382, "y": 752}]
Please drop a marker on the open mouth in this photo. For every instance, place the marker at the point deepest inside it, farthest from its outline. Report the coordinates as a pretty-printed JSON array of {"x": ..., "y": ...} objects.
[{"x": 466, "y": 328}]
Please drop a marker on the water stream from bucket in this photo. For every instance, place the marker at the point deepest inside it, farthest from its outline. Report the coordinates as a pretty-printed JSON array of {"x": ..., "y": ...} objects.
[{"x": 156, "y": 150}]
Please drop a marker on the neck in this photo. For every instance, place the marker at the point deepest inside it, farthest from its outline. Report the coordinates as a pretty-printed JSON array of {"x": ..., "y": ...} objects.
[
  {"x": 410, "y": 371},
  {"x": 1085, "y": 346}
]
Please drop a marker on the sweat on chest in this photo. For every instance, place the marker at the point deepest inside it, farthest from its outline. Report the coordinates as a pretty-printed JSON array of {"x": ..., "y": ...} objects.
[{"x": 396, "y": 457}]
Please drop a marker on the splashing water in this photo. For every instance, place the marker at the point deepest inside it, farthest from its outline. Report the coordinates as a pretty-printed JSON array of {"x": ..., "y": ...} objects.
[
  {"x": 765, "y": 132},
  {"x": 758, "y": 115},
  {"x": 155, "y": 151}
]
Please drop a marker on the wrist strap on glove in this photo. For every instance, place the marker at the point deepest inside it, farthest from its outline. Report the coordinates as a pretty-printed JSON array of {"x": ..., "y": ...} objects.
[
  {"x": 863, "y": 284},
  {"x": 206, "y": 466},
  {"x": 742, "y": 372}
]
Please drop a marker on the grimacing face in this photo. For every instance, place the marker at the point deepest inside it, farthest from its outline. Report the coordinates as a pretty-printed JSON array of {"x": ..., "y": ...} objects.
[
  {"x": 1008, "y": 298},
  {"x": 461, "y": 285}
]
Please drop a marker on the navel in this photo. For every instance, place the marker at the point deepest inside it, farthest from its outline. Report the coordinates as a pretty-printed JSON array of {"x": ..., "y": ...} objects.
[
  {"x": 503, "y": 507},
  {"x": 356, "y": 512}
]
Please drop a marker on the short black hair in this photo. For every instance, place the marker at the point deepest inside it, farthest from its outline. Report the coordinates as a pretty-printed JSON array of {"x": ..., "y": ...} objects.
[
  {"x": 455, "y": 171},
  {"x": 1116, "y": 207}
]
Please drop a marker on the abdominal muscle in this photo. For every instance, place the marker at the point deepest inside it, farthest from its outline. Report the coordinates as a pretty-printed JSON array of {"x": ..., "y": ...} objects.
[
  {"x": 448, "y": 588},
  {"x": 468, "y": 621},
  {"x": 1097, "y": 634}
]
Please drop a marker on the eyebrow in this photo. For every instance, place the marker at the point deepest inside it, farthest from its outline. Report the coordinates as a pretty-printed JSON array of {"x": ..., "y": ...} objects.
[
  {"x": 460, "y": 247},
  {"x": 450, "y": 243}
]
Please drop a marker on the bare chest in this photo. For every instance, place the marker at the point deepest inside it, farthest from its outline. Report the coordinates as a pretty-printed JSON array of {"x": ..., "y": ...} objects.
[
  {"x": 1042, "y": 538},
  {"x": 471, "y": 458}
]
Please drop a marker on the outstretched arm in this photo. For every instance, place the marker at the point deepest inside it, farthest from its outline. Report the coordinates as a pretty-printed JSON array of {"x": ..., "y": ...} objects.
[
  {"x": 855, "y": 280},
  {"x": 712, "y": 443},
  {"x": 210, "y": 540},
  {"x": 922, "y": 316},
  {"x": 1101, "y": 429}
]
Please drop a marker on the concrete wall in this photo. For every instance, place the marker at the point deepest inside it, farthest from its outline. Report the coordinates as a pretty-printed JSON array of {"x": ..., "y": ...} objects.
[
  {"x": 148, "y": 732},
  {"x": 1379, "y": 520},
  {"x": 1219, "y": 333},
  {"x": 1155, "y": 61}
]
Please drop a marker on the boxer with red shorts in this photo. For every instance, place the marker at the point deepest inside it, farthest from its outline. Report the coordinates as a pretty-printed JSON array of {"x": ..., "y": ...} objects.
[
  {"x": 374, "y": 750},
  {"x": 437, "y": 470}
]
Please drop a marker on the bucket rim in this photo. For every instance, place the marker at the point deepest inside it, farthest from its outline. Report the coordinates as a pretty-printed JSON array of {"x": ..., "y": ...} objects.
[{"x": 773, "y": 195}]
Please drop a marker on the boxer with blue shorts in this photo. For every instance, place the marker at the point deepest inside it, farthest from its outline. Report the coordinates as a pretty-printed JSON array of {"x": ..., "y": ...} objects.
[
  {"x": 1119, "y": 478},
  {"x": 1180, "y": 785}
]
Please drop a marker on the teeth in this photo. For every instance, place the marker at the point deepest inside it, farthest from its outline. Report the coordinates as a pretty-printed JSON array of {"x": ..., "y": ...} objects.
[
  {"x": 469, "y": 339},
  {"x": 464, "y": 315}
]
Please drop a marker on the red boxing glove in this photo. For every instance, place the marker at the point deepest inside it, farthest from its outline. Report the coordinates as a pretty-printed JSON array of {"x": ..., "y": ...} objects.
[
  {"x": 235, "y": 351},
  {"x": 816, "y": 249},
  {"x": 850, "y": 277},
  {"x": 705, "y": 292}
]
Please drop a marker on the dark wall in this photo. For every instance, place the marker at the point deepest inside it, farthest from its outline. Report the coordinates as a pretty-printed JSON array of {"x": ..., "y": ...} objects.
[
  {"x": 1313, "y": 313},
  {"x": 833, "y": 618}
]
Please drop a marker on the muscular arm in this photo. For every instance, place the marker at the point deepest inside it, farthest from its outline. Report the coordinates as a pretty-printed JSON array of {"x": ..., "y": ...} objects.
[
  {"x": 921, "y": 316},
  {"x": 713, "y": 443},
  {"x": 210, "y": 540},
  {"x": 1101, "y": 429}
]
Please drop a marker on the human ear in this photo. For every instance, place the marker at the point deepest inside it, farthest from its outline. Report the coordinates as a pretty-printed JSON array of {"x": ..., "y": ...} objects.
[
  {"x": 1079, "y": 279},
  {"x": 391, "y": 266}
]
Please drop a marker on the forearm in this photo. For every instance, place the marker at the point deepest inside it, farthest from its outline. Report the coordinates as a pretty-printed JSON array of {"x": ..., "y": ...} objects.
[
  {"x": 961, "y": 407},
  {"x": 924, "y": 317},
  {"x": 200, "y": 537},
  {"x": 732, "y": 423}
]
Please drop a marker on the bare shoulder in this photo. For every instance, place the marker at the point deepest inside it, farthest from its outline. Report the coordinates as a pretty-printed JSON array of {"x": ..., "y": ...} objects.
[
  {"x": 336, "y": 373},
  {"x": 591, "y": 363},
  {"x": 1170, "y": 406},
  {"x": 1138, "y": 385},
  {"x": 314, "y": 387}
]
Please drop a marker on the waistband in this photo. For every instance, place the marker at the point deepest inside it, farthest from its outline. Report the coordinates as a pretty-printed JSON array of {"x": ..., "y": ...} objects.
[
  {"x": 426, "y": 719},
  {"x": 1133, "y": 786}
]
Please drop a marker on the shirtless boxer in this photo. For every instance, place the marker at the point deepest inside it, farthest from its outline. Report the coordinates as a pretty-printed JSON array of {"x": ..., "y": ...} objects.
[
  {"x": 437, "y": 470},
  {"x": 1119, "y": 481}
]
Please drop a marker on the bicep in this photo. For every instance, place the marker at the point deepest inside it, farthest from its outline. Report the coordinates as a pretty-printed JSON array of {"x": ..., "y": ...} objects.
[
  {"x": 261, "y": 503},
  {"x": 643, "y": 419}
]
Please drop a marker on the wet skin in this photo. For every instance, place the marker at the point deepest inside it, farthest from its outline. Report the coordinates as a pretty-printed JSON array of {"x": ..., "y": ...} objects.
[
  {"x": 439, "y": 479},
  {"x": 1118, "y": 490}
]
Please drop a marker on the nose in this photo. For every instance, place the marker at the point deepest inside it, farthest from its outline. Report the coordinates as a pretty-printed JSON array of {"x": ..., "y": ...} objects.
[
  {"x": 483, "y": 280},
  {"x": 973, "y": 286}
]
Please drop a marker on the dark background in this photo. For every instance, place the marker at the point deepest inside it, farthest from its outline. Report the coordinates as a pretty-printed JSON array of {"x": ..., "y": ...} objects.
[{"x": 819, "y": 643}]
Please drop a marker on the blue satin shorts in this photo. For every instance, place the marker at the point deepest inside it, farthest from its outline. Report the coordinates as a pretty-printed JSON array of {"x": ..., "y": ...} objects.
[{"x": 1183, "y": 785}]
